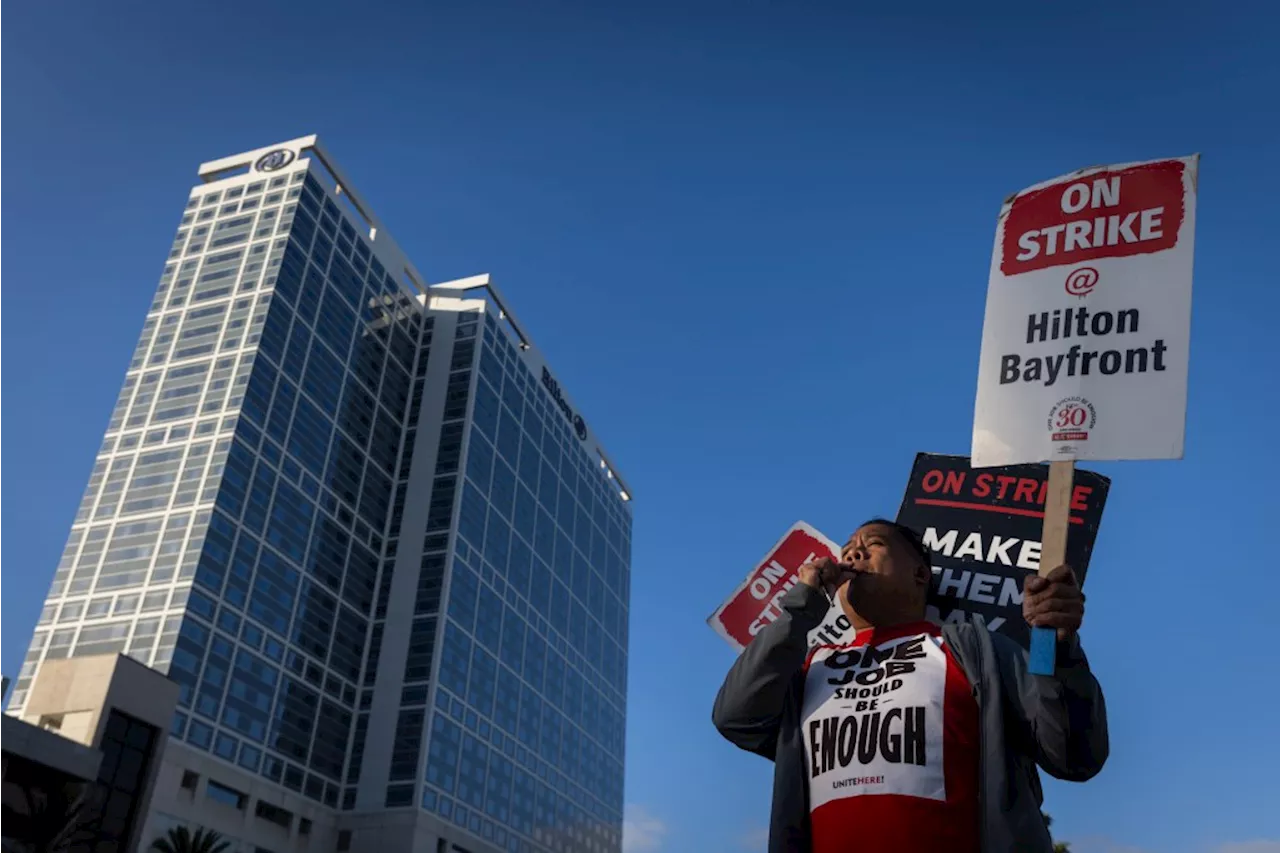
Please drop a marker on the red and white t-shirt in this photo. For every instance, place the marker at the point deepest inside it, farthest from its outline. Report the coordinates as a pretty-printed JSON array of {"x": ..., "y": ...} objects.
[{"x": 891, "y": 737}]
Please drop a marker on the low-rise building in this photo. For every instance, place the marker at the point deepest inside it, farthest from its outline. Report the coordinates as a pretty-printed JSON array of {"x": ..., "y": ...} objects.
[{"x": 82, "y": 759}]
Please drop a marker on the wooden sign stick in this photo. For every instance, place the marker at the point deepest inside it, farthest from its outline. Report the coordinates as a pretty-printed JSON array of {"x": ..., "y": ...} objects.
[{"x": 1053, "y": 553}]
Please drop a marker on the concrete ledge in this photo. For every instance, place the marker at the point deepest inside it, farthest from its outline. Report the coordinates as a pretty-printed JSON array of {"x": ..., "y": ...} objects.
[{"x": 49, "y": 748}]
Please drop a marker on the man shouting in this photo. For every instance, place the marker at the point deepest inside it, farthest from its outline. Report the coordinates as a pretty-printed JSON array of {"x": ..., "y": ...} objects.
[{"x": 911, "y": 738}]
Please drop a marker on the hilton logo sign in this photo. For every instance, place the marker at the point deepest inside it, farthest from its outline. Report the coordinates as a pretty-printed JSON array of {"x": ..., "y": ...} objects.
[
  {"x": 553, "y": 388},
  {"x": 274, "y": 160}
]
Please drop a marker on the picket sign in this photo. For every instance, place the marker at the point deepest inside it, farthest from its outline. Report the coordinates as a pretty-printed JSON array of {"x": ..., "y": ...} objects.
[
  {"x": 1086, "y": 334},
  {"x": 983, "y": 528}
]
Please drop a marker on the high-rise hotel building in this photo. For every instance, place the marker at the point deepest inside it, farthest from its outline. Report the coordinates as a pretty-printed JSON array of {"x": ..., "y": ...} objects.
[{"x": 364, "y": 527}]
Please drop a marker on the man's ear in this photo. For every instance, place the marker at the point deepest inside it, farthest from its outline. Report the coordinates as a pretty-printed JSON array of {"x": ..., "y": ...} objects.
[{"x": 924, "y": 574}]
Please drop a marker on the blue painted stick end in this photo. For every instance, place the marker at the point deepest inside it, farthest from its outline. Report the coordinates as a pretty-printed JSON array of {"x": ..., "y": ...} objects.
[{"x": 1044, "y": 651}]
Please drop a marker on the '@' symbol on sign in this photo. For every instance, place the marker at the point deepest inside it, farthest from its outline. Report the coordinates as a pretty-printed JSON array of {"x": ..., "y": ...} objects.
[{"x": 1081, "y": 281}]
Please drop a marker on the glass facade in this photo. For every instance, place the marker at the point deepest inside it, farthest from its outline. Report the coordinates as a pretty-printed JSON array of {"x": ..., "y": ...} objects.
[
  {"x": 128, "y": 746},
  {"x": 241, "y": 527},
  {"x": 126, "y": 574},
  {"x": 528, "y": 723},
  {"x": 271, "y": 657}
]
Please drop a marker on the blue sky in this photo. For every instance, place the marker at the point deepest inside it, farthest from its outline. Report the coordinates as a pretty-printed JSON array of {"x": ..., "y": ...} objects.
[{"x": 753, "y": 241}]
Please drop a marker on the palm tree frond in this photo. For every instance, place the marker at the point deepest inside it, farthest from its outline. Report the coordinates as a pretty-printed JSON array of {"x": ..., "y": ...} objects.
[{"x": 180, "y": 839}]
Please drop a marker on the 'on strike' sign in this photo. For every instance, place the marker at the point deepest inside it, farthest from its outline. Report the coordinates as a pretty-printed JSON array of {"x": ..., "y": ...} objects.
[
  {"x": 1088, "y": 320},
  {"x": 981, "y": 526},
  {"x": 758, "y": 599}
]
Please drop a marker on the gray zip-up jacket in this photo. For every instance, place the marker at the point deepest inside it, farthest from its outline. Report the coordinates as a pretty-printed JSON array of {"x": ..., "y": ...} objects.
[{"x": 1058, "y": 722}]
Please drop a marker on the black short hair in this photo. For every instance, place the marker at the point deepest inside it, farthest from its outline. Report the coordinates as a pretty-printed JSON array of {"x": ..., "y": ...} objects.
[{"x": 909, "y": 536}]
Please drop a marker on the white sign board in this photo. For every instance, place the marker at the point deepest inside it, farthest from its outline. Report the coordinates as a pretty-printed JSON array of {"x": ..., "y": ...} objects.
[{"x": 1088, "y": 321}]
